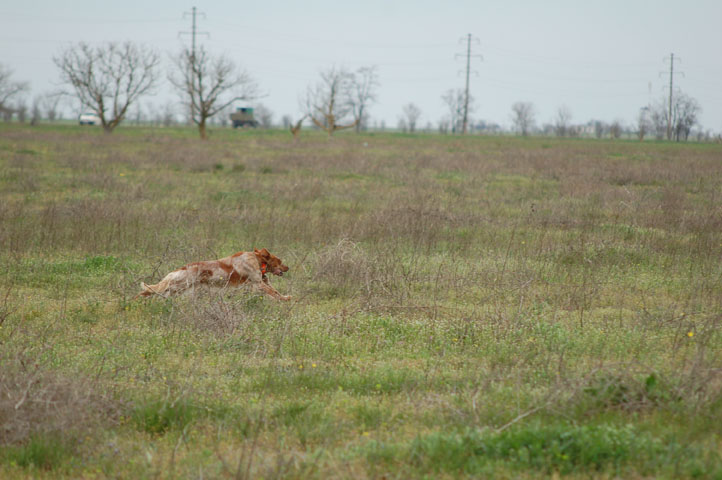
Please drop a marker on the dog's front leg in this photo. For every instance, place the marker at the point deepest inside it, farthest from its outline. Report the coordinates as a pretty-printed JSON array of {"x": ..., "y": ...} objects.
[{"x": 272, "y": 292}]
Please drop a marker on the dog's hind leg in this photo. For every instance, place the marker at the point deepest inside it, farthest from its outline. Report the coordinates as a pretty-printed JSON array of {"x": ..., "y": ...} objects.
[{"x": 148, "y": 290}]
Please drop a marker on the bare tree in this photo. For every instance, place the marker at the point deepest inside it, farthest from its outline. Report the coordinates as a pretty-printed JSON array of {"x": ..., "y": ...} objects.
[
  {"x": 685, "y": 113},
  {"x": 411, "y": 113},
  {"x": 49, "y": 104},
  {"x": 35, "y": 113},
  {"x": 108, "y": 78},
  {"x": 364, "y": 83},
  {"x": 562, "y": 121},
  {"x": 209, "y": 84},
  {"x": 444, "y": 124},
  {"x": 21, "y": 108},
  {"x": 9, "y": 89},
  {"x": 643, "y": 123},
  {"x": 296, "y": 129},
  {"x": 154, "y": 115},
  {"x": 137, "y": 116},
  {"x": 522, "y": 114},
  {"x": 328, "y": 104},
  {"x": 599, "y": 128},
  {"x": 169, "y": 115},
  {"x": 615, "y": 129},
  {"x": 162, "y": 115},
  {"x": 454, "y": 100},
  {"x": 264, "y": 115},
  {"x": 658, "y": 119}
]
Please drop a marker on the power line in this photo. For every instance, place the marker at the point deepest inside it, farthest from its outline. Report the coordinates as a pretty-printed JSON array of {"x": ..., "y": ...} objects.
[
  {"x": 193, "y": 13},
  {"x": 192, "y": 63},
  {"x": 465, "y": 120},
  {"x": 671, "y": 89}
]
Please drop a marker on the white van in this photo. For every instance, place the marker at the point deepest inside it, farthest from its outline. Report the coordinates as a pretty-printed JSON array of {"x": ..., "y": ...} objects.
[{"x": 89, "y": 118}]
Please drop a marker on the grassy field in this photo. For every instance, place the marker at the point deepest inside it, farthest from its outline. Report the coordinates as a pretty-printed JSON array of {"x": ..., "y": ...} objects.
[{"x": 463, "y": 307}]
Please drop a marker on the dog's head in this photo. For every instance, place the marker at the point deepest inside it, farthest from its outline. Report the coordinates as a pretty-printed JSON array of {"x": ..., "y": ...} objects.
[{"x": 272, "y": 263}]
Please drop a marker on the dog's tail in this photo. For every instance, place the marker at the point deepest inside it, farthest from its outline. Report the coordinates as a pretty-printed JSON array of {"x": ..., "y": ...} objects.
[{"x": 147, "y": 290}]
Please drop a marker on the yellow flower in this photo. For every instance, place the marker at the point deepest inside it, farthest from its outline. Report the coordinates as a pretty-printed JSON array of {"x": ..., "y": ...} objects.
[
  {"x": 690, "y": 334},
  {"x": 313, "y": 365},
  {"x": 300, "y": 367},
  {"x": 366, "y": 434}
]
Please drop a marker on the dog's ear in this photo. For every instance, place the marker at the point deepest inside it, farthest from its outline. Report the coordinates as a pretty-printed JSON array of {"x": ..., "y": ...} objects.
[
  {"x": 265, "y": 253},
  {"x": 255, "y": 250}
]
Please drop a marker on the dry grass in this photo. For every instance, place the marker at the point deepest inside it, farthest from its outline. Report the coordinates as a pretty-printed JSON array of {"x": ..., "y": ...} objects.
[
  {"x": 36, "y": 401},
  {"x": 449, "y": 293}
]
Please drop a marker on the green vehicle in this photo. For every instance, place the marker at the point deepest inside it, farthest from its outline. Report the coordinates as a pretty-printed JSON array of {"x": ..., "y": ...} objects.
[{"x": 243, "y": 117}]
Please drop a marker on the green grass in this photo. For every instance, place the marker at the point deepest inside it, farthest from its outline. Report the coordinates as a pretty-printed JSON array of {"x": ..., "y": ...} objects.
[
  {"x": 159, "y": 416},
  {"x": 545, "y": 449},
  {"x": 463, "y": 306},
  {"x": 40, "y": 452}
]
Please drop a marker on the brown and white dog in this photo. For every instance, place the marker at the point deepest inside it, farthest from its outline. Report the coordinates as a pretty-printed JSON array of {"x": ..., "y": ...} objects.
[{"x": 232, "y": 271}]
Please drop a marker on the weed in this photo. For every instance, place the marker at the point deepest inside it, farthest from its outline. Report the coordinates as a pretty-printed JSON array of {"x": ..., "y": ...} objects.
[
  {"x": 38, "y": 400},
  {"x": 46, "y": 452},
  {"x": 159, "y": 416}
]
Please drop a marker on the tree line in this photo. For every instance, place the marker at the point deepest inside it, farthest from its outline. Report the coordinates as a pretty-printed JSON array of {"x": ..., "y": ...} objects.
[
  {"x": 653, "y": 119},
  {"x": 110, "y": 78}
]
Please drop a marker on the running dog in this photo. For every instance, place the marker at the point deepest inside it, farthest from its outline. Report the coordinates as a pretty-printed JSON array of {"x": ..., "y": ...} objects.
[{"x": 233, "y": 271}]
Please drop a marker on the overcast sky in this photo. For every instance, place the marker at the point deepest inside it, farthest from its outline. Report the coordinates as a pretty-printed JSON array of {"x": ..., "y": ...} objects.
[{"x": 602, "y": 59}]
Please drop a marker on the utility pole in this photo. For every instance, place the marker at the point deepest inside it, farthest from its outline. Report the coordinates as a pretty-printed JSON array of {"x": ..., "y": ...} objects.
[
  {"x": 671, "y": 89},
  {"x": 193, "y": 13},
  {"x": 193, "y": 30},
  {"x": 671, "y": 82},
  {"x": 466, "y": 94},
  {"x": 465, "y": 121}
]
